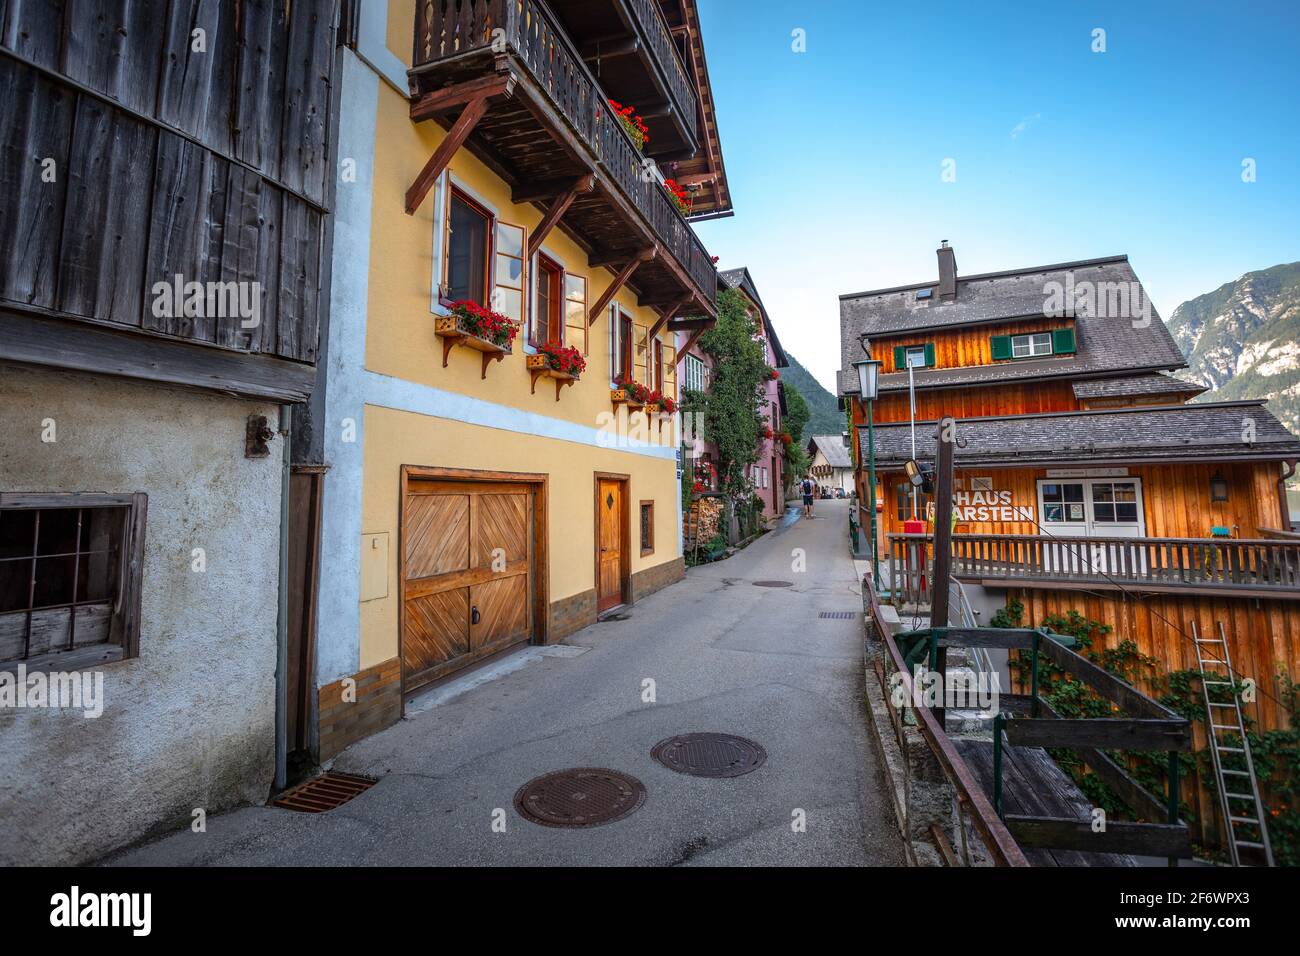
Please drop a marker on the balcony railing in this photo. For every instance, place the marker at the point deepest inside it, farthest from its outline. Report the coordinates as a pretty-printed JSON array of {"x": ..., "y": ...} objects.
[
  {"x": 1263, "y": 567},
  {"x": 651, "y": 19},
  {"x": 452, "y": 29}
]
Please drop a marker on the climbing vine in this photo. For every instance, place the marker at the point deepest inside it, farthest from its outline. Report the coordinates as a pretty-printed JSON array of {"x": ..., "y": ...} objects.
[
  {"x": 732, "y": 408},
  {"x": 1276, "y": 752}
]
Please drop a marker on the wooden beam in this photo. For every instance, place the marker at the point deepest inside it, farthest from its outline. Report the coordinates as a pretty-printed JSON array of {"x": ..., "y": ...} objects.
[
  {"x": 1130, "y": 699},
  {"x": 129, "y": 353},
  {"x": 1062, "y": 833},
  {"x": 645, "y": 255},
  {"x": 691, "y": 325},
  {"x": 610, "y": 46},
  {"x": 670, "y": 312},
  {"x": 681, "y": 353},
  {"x": 453, "y": 141},
  {"x": 557, "y": 210},
  {"x": 1101, "y": 733},
  {"x": 449, "y": 97},
  {"x": 543, "y": 190}
]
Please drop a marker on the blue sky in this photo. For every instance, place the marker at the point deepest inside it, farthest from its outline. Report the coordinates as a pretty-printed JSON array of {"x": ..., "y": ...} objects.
[{"x": 834, "y": 155}]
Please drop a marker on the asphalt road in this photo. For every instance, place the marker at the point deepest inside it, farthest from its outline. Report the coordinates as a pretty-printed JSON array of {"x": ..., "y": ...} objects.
[{"x": 724, "y": 655}]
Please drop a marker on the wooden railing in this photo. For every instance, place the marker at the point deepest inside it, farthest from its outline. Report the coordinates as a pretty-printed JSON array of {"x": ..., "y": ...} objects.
[
  {"x": 651, "y": 20},
  {"x": 1265, "y": 566},
  {"x": 447, "y": 29}
]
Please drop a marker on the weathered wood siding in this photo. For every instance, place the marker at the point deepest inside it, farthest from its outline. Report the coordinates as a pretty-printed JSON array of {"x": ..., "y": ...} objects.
[{"x": 208, "y": 163}]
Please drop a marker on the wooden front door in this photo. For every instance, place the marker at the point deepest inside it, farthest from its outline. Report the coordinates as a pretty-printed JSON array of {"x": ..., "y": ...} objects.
[
  {"x": 468, "y": 581},
  {"x": 610, "y": 543}
]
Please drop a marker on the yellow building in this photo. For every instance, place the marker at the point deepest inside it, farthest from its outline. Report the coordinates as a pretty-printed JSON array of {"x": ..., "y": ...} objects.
[{"x": 480, "y": 496}]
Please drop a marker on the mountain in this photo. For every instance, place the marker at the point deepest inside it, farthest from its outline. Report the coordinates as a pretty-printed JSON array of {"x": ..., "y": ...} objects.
[
  {"x": 825, "y": 417},
  {"x": 1243, "y": 340}
]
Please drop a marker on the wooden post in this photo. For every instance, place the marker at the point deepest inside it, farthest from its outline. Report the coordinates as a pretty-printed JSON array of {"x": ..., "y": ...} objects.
[
  {"x": 559, "y": 206},
  {"x": 947, "y": 440}
]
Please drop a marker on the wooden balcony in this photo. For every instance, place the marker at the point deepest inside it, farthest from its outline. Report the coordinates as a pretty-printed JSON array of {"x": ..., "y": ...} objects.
[
  {"x": 507, "y": 80},
  {"x": 1260, "y": 567},
  {"x": 628, "y": 46}
]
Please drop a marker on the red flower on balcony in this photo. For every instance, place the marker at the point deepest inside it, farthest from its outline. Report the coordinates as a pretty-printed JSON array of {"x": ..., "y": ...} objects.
[
  {"x": 773, "y": 374},
  {"x": 563, "y": 358},
  {"x": 484, "y": 323},
  {"x": 678, "y": 196},
  {"x": 632, "y": 124},
  {"x": 767, "y": 432}
]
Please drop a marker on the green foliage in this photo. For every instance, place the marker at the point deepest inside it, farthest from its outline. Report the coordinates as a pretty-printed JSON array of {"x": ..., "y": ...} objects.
[
  {"x": 825, "y": 417},
  {"x": 732, "y": 407},
  {"x": 1276, "y": 753},
  {"x": 794, "y": 423}
]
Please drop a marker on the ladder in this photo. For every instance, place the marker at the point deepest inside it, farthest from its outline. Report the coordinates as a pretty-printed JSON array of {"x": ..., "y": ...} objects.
[{"x": 1225, "y": 718}]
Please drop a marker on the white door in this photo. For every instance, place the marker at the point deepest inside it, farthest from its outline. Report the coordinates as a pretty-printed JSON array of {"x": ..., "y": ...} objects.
[{"x": 1092, "y": 508}]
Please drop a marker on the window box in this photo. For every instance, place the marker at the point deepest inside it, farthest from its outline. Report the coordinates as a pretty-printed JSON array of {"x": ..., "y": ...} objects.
[
  {"x": 549, "y": 364},
  {"x": 453, "y": 331},
  {"x": 624, "y": 396}
]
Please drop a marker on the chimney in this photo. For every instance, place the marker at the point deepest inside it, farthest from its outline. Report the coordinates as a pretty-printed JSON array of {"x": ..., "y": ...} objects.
[{"x": 947, "y": 271}]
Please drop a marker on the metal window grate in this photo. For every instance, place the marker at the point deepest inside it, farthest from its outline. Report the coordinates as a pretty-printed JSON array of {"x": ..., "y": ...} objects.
[
  {"x": 837, "y": 615},
  {"x": 323, "y": 793},
  {"x": 59, "y": 574}
]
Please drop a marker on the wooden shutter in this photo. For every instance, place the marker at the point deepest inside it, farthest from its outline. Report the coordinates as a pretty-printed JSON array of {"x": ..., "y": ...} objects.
[
  {"x": 1063, "y": 342},
  {"x": 929, "y": 355},
  {"x": 1000, "y": 346},
  {"x": 900, "y": 358}
]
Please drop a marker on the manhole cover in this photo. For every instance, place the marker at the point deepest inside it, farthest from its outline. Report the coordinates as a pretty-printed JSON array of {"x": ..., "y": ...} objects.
[
  {"x": 584, "y": 797},
  {"x": 773, "y": 584},
  {"x": 709, "y": 755},
  {"x": 323, "y": 793}
]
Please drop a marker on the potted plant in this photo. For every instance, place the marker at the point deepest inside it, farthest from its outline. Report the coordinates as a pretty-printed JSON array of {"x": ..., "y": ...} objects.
[
  {"x": 478, "y": 328},
  {"x": 630, "y": 392},
  {"x": 564, "y": 363},
  {"x": 632, "y": 124},
  {"x": 678, "y": 196}
]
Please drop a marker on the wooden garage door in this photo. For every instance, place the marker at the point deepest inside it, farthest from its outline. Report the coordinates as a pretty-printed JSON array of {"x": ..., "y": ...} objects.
[{"x": 467, "y": 574}]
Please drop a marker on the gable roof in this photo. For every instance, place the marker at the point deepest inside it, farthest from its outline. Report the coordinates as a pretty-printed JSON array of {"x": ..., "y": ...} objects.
[
  {"x": 741, "y": 280},
  {"x": 832, "y": 449},
  {"x": 1105, "y": 344},
  {"x": 1205, "y": 432}
]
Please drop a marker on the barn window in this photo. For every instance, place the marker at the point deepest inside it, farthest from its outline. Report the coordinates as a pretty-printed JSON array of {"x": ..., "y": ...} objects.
[
  {"x": 647, "y": 528},
  {"x": 1028, "y": 346},
  {"x": 69, "y": 578}
]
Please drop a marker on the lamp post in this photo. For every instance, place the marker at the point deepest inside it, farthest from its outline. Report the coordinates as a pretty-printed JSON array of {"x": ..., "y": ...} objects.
[{"x": 869, "y": 388}]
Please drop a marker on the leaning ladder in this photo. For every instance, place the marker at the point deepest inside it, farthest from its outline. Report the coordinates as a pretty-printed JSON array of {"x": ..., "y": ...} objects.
[{"x": 1217, "y": 748}]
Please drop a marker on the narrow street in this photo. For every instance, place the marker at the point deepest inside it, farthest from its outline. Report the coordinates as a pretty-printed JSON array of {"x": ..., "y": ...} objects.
[{"x": 724, "y": 655}]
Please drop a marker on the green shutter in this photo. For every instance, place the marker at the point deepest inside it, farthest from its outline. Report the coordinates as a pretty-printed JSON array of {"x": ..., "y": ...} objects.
[
  {"x": 1000, "y": 346},
  {"x": 900, "y": 358},
  {"x": 1063, "y": 341},
  {"x": 929, "y": 355}
]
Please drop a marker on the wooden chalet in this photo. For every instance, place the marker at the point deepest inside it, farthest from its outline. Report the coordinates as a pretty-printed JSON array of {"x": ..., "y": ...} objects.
[{"x": 1086, "y": 478}]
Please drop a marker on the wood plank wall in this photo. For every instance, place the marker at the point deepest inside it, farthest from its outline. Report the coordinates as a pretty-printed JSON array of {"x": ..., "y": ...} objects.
[
  {"x": 1176, "y": 498},
  {"x": 1263, "y": 638},
  {"x": 211, "y": 164},
  {"x": 984, "y": 402},
  {"x": 958, "y": 348}
]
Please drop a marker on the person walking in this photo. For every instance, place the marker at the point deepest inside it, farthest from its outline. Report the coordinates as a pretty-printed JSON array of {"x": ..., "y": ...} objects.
[{"x": 808, "y": 486}]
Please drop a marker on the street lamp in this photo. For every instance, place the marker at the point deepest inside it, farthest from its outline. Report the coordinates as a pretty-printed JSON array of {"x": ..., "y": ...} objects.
[{"x": 869, "y": 390}]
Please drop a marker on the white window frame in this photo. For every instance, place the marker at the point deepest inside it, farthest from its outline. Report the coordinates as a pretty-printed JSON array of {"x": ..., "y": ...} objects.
[
  {"x": 1031, "y": 345},
  {"x": 913, "y": 351},
  {"x": 441, "y": 194}
]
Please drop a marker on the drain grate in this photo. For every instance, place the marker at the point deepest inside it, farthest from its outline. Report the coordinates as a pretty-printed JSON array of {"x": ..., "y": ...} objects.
[
  {"x": 322, "y": 793},
  {"x": 582, "y": 797},
  {"x": 773, "y": 584},
  {"x": 838, "y": 615},
  {"x": 710, "y": 755}
]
